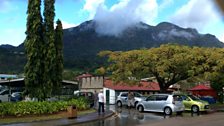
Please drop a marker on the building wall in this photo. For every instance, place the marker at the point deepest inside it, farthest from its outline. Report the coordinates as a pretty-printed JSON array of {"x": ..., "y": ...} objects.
[{"x": 91, "y": 83}]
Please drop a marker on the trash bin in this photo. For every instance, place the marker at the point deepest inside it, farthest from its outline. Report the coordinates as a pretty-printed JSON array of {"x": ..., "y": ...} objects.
[{"x": 72, "y": 111}]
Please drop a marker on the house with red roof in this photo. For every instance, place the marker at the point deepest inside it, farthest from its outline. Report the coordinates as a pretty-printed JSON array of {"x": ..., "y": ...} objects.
[
  {"x": 112, "y": 90},
  {"x": 203, "y": 90}
]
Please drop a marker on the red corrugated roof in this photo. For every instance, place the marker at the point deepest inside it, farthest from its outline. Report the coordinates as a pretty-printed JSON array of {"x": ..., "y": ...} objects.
[
  {"x": 200, "y": 87},
  {"x": 149, "y": 86}
]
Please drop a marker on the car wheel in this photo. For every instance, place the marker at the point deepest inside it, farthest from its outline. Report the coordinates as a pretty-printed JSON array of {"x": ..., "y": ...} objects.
[
  {"x": 140, "y": 108},
  {"x": 195, "y": 109},
  {"x": 119, "y": 104},
  {"x": 167, "y": 111}
]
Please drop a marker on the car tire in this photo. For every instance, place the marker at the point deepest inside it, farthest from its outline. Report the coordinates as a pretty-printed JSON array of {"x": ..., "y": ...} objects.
[
  {"x": 167, "y": 111},
  {"x": 195, "y": 109},
  {"x": 119, "y": 104},
  {"x": 140, "y": 108}
]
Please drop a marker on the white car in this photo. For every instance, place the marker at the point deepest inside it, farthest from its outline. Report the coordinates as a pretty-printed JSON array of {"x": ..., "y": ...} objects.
[
  {"x": 4, "y": 95},
  {"x": 165, "y": 103},
  {"x": 122, "y": 98}
]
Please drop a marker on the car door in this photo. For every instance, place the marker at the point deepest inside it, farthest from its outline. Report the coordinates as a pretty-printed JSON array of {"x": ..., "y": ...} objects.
[
  {"x": 160, "y": 102},
  {"x": 4, "y": 96},
  {"x": 186, "y": 102},
  {"x": 124, "y": 98},
  {"x": 149, "y": 103}
]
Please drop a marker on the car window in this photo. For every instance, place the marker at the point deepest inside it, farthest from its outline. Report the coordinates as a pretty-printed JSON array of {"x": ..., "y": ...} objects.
[
  {"x": 124, "y": 94},
  {"x": 5, "y": 92},
  {"x": 185, "y": 98},
  {"x": 137, "y": 94},
  {"x": 177, "y": 98},
  {"x": 151, "y": 98},
  {"x": 193, "y": 97},
  {"x": 161, "y": 97}
]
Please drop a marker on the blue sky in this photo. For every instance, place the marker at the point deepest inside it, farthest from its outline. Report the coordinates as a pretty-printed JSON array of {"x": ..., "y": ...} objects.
[{"x": 200, "y": 14}]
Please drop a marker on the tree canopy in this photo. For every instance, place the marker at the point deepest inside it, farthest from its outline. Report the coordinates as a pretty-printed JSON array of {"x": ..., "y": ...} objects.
[{"x": 169, "y": 63}]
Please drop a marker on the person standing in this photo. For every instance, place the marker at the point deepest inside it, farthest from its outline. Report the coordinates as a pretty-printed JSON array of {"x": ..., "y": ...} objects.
[
  {"x": 130, "y": 99},
  {"x": 100, "y": 102}
]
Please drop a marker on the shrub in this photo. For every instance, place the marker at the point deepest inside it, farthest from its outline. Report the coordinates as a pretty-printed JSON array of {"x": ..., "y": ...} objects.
[{"x": 37, "y": 108}]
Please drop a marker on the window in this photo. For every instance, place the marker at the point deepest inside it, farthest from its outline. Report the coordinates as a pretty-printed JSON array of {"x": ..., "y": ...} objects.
[
  {"x": 124, "y": 94},
  {"x": 177, "y": 98},
  {"x": 151, "y": 98},
  {"x": 137, "y": 94},
  {"x": 161, "y": 97}
]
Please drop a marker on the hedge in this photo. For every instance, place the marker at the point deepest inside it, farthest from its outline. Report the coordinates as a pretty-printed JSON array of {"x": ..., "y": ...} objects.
[{"x": 37, "y": 108}]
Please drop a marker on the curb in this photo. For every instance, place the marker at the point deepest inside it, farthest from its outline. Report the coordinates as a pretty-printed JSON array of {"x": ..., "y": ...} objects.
[{"x": 96, "y": 119}]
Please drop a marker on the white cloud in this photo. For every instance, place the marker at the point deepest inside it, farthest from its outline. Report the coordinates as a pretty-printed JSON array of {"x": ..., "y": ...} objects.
[
  {"x": 114, "y": 20},
  {"x": 91, "y": 6},
  {"x": 66, "y": 25},
  {"x": 196, "y": 14},
  {"x": 221, "y": 38}
]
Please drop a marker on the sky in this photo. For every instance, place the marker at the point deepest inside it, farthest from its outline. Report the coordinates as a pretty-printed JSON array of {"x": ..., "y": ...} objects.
[{"x": 115, "y": 15}]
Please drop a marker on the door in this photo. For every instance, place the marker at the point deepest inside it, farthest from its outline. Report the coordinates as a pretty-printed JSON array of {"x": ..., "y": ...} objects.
[
  {"x": 160, "y": 102},
  {"x": 149, "y": 103},
  {"x": 107, "y": 97}
]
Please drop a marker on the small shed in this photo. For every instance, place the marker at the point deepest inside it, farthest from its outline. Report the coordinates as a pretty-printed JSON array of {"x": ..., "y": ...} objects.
[
  {"x": 203, "y": 90},
  {"x": 112, "y": 90}
]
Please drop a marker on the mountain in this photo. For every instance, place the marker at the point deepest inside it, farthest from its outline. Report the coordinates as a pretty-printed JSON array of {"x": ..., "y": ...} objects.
[{"x": 82, "y": 43}]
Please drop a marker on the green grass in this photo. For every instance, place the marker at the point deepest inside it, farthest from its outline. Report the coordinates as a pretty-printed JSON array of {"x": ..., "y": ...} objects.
[{"x": 41, "y": 117}]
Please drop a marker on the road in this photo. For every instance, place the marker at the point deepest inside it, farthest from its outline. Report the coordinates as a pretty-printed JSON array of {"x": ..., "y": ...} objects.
[
  {"x": 214, "y": 119},
  {"x": 127, "y": 117}
]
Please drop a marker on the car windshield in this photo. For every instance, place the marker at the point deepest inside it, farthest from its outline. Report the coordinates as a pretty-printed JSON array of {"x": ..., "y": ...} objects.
[
  {"x": 193, "y": 97},
  {"x": 137, "y": 95}
]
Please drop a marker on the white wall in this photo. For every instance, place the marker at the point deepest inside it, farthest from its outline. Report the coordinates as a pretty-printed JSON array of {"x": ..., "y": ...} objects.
[{"x": 112, "y": 95}]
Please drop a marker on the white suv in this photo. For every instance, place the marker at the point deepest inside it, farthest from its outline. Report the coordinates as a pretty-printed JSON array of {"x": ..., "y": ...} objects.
[{"x": 122, "y": 98}]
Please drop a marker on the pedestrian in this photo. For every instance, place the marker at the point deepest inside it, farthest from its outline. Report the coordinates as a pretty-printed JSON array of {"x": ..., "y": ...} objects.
[
  {"x": 100, "y": 102},
  {"x": 130, "y": 99},
  {"x": 95, "y": 99}
]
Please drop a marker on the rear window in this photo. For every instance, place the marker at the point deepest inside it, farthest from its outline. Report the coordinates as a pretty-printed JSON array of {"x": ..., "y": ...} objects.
[{"x": 177, "y": 98}]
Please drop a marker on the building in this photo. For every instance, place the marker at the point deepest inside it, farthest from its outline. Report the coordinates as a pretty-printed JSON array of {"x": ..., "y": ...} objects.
[
  {"x": 5, "y": 77},
  {"x": 90, "y": 83},
  {"x": 112, "y": 90}
]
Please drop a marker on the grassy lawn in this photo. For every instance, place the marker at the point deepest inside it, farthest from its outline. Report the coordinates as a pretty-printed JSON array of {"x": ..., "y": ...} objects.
[{"x": 41, "y": 117}]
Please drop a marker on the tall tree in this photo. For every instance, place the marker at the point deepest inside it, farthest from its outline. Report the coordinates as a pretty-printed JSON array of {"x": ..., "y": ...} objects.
[
  {"x": 169, "y": 64},
  {"x": 59, "y": 55},
  {"x": 49, "y": 51},
  {"x": 34, "y": 44}
]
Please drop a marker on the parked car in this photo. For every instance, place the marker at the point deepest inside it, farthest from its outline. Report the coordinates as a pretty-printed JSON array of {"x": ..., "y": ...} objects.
[
  {"x": 122, "y": 98},
  {"x": 16, "y": 96},
  {"x": 88, "y": 95},
  {"x": 194, "y": 104},
  {"x": 166, "y": 103},
  {"x": 209, "y": 99},
  {"x": 4, "y": 95}
]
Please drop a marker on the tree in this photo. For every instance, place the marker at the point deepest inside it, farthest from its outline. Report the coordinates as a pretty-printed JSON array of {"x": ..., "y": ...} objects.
[
  {"x": 169, "y": 64},
  {"x": 59, "y": 55},
  {"x": 34, "y": 43},
  {"x": 216, "y": 76},
  {"x": 49, "y": 50}
]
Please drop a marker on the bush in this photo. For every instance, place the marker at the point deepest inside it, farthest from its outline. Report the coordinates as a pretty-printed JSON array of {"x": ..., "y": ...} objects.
[{"x": 37, "y": 108}]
